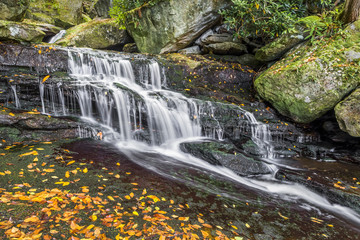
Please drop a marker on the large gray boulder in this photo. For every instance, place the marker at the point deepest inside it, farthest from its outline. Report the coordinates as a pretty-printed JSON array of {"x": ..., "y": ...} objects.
[
  {"x": 62, "y": 13},
  {"x": 348, "y": 114},
  {"x": 98, "y": 33},
  {"x": 172, "y": 25},
  {"x": 20, "y": 32},
  {"x": 13, "y": 10},
  {"x": 313, "y": 78},
  {"x": 97, "y": 8}
]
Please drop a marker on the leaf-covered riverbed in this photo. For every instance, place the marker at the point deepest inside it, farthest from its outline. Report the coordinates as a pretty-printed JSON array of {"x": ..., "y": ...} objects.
[{"x": 87, "y": 189}]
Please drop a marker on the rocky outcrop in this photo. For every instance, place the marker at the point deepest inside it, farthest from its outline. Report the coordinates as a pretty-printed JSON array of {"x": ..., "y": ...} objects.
[
  {"x": 20, "y": 32},
  {"x": 173, "y": 25},
  {"x": 348, "y": 114},
  {"x": 313, "y": 78},
  {"x": 98, "y": 33},
  {"x": 13, "y": 10},
  {"x": 62, "y": 13}
]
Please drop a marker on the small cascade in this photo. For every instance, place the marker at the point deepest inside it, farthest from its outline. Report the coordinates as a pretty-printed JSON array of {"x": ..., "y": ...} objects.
[
  {"x": 57, "y": 37},
  {"x": 16, "y": 99},
  {"x": 261, "y": 136}
]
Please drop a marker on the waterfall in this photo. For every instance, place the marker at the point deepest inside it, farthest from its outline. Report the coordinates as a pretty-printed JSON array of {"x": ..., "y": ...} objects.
[
  {"x": 16, "y": 99},
  {"x": 57, "y": 37}
]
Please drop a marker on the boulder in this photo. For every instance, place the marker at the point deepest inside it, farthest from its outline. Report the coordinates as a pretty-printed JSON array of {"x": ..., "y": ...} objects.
[
  {"x": 348, "y": 114},
  {"x": 226, "y": 48},
  {"x": 313, "y": 78},
  {"x": 169, "y": 26},
  {"x": 13, "y": 10},
  {"x": 48, "y": 29},
  {"x": 98, "y": 33},
  {"x": 191, "y": 50},
  {"x": 62, "y": 13},
  {"x": 285, "y": 42},
  {"x": 217, "y": 38},
  {"x": 20, "y": 32}
]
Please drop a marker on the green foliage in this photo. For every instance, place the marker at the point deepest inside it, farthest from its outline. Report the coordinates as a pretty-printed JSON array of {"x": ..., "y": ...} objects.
[
  {"x": 266, "y": 19},
  {"x": 122, "y": 9}
]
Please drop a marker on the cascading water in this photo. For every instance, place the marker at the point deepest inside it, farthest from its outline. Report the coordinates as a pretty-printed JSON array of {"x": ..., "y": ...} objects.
[
  {"x": 132, "y": 108},
  {"x": 58, "y": 36}
]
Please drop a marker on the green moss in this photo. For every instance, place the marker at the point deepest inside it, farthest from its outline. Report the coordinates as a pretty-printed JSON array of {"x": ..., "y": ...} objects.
[{"x": 311, "y": 80}]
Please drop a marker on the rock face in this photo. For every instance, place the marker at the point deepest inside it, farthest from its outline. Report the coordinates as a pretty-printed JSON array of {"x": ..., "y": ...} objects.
[
  {"x": 348, "y": 114},
  {"x": 13, "y": 10},
  {"x": 173, "y": 25},
  {"x": 312, "y": 79},
  {"x": 62, "y": 13},
  {"x": 98, "y": 33},
  {"x": 20, "y": 32}
]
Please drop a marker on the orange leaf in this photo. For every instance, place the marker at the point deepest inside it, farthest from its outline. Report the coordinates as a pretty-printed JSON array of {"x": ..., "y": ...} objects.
[
  {"x": 45, "y": 78},
  {"x": 32, "y": 219}
]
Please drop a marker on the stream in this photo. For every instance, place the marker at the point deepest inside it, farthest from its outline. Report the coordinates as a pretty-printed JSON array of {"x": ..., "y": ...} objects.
[{"x": 130, "y": 108}]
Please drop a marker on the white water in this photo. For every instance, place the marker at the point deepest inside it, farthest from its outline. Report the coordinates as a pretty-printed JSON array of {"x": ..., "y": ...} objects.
[
  {"x": 16, "y": 99},
  {"x": 109, "y": 95},
  {"x": 58, "y": 36}
]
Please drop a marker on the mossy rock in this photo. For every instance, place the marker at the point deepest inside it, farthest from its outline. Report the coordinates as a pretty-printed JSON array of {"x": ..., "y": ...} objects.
[
  {"x": 98, "y": 33},
  {"x": 20, "y": 32},
  {"x": 348, "y": 114},
  {"x": 62, "y": 13},
  {"x": 13, "y": 10},
  {"x": 313, "y": 78},
  {"x": 169, "y": 26}
]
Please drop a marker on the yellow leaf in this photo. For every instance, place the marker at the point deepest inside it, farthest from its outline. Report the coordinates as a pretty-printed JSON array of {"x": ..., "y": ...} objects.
[
  {"x": 85, "y": 170},
  {"x": 135, "y": 213},
  {"x": 67, "y": 174},
  {"x": 247, "y": 225},
  {"x": 184, "y": 219},
  {"x": 93, "y": 218},
  {"x": 111, "y": 198},
  {"x": 144, "y": 191},
  {"x": 71, "y": 162},
  {"x": 286, "y": 218},
  {"x": 205, "y": 234},
  {"x": 11, "y": 114},
  {"x": 45, "y": 78},
  {"x": 32, "y": 219},
  {"x": 117, "y": 176},
  {"x": 29, "y": 153}
]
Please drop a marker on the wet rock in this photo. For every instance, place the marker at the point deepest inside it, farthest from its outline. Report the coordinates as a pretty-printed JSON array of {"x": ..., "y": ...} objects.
[
  {"x": 62, "y": 13},
  {"x": 312, "y": 79},
  {"x": 24, "y": 126},
  {"x": 20, "y": 32},
  {"x": 98, "y": 33},
  {"x": 169, "y": 26},
  {"x": 222, "y": 154},
  {"x": 226, "y": 48},
  {"x": 43, "y": 59},
  {"x": 191, "y": 50},
  {"x": 13, "y": 10},
  {"x": 348, "y": 114}
]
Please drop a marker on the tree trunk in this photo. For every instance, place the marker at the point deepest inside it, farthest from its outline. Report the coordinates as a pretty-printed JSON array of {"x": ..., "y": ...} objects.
[{"x": 351, "y": 11}]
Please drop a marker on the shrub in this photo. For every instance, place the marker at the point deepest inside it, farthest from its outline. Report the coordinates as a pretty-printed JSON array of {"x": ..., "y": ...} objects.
[{"x": 266, "y": 19}]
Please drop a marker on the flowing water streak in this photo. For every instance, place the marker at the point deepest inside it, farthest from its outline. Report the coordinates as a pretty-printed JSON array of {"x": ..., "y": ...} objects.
[
  {"x": 16, "y": 99},
  {"x": 57, "y": 37}
]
